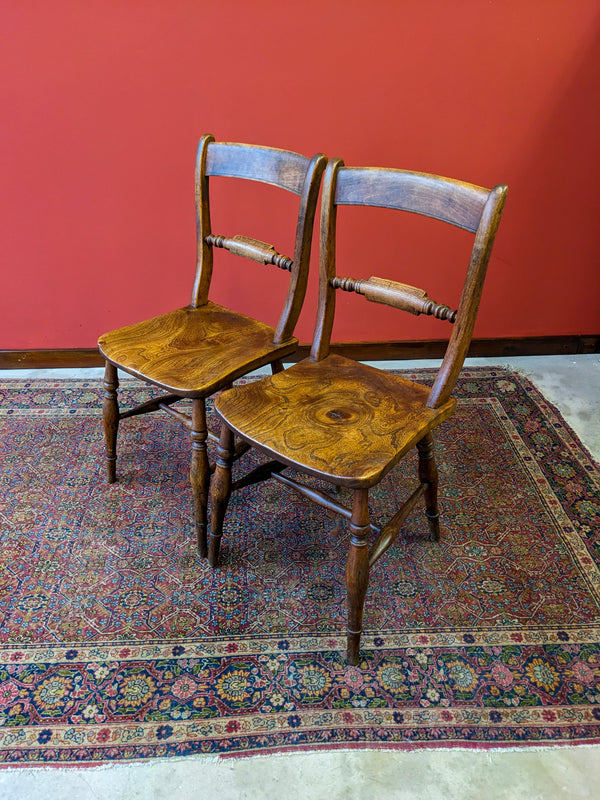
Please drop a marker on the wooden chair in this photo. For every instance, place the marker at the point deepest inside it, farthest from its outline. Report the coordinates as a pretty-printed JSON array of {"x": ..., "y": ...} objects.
[
  {"x": 195, "y": 351},
  {"x": 347, "y": 423}
]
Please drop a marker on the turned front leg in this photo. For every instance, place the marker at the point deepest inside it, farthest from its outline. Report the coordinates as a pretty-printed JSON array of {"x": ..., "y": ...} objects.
[
  {"x": 357, "y": 571},
  {"x": 428, "y": 473},
  {"x": 200, "y": 472},
  {"x": 220, "y": 492},
  {"x": 110, "y": 417}
]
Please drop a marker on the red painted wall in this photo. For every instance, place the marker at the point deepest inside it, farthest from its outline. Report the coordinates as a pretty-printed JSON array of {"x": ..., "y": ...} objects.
[{"x": 103, "y": 102}]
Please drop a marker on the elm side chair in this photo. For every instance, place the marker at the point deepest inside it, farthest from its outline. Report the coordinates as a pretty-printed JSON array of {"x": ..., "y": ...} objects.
[
  {"x": 195, "y": 351},
  {"x": 346, "y": 423}
]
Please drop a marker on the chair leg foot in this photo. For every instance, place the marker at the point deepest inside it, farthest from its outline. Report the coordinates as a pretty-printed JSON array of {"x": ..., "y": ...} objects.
[
  {"x": 434, "y": 525},
  {"x": 200, "y": 473},
  {"x": 110, "y": 418},
  {"x": 428, "y": 473},
  {"x": 353, "y": 648},
  {"x": 220, "y": 492},
  {"x": 201, "y": 540},
  {"x": 357, "y": 572}
]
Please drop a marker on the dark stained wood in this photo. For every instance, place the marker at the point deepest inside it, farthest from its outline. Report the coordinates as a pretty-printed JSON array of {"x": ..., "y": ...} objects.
[
  {"x": 281, "y": 168},
  {"x": 469, "y": 301},
  {"x": 302, "y": 248},
  {"x": 201, "y": 349},
  {"x": 324, "y": 499},
  {"x": 204, "y": 250},
  {"x": 200, "y": 472},
  {"x": 61, "y": 358},
  {"x": 253, "y": 249},
  {"x": 397, "y": 295},
  {"x": 258, "y": 475},
  {"x": 152, "y": 405},
  {"x": 110, "y": 416},
  {"x": 76, "y": 357},
  {"x": 184, "y": 419},
  {"x": 347, "y": 423},
  {"x": 390, "y": 532},
  {"x": 428, "y": 475},
  {"x": 357, "y": 572},
  {"x": 220, "y": 493},
  {"x": 327, "y": 245}
]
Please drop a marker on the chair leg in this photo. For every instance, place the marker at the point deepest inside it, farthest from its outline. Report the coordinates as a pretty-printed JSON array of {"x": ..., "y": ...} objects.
[
  {"x": 429, "y": 474},
  {"x": 220, "y": 492},
  {"x": 357, "y": 571},
  {"x": 200, "y": 472},
  {"x": 110, "y": 417}
]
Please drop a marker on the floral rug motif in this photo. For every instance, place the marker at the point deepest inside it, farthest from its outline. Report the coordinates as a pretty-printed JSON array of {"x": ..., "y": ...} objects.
[{"x": 117, "y": 642}]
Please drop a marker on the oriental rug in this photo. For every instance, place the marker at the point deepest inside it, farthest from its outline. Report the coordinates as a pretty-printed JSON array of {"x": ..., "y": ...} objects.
[{"x": 118, "y": 643}]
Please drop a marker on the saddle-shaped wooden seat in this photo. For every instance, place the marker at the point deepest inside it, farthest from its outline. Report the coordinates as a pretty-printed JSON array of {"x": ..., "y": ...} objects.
[
  {"x": 347, "y": 423},
  {"x": 195, "y": 351},
  {"x": 336, "y": 419}
]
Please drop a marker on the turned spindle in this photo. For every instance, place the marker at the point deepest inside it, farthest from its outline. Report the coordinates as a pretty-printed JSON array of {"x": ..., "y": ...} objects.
[{"x": 398, "y": 295}]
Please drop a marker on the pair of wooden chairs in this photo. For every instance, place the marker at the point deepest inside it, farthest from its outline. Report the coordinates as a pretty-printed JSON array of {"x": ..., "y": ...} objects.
[{"x": 326, "y": 417}]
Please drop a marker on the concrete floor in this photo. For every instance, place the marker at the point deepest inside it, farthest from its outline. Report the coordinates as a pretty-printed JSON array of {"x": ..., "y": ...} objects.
[{"x": 572, "y": 383}]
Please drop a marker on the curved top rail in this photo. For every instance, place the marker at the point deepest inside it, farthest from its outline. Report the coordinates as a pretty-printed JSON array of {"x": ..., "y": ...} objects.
[
  {"x": 282, "y": 168},
  {"x": 448, "y": 200}
]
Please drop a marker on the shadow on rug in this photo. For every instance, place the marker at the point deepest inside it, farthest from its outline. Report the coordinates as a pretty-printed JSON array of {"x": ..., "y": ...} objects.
[{"x": 118, "y": 643}]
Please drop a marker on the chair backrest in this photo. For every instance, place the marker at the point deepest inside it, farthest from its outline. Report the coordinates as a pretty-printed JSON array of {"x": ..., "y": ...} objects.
[
  {"x": 461, "y": 204},
  {"x": 281, "y": 168}
]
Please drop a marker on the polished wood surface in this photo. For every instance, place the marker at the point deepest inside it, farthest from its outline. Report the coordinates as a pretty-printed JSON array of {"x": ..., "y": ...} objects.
[
  {"x": 398, "y": 295},
  {"x": 271, "y": 165},
  {"x": 200, "y": 349},
  {"x": 336, "y": 419},
  {"x": 253, "y": 249},
  {"x": 456, "y": 202},
  {"x": 194, "y": 351},
  {"x": 349, "y": 424}
]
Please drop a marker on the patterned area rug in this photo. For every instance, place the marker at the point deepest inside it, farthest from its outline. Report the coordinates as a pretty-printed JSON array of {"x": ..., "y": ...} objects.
[{"x": 118, "y": 643}]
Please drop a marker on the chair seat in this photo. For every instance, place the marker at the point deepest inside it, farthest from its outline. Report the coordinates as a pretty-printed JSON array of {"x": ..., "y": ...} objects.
[
  {"x": 336, "y": 419},
  {"x": 194, "y": 352}
]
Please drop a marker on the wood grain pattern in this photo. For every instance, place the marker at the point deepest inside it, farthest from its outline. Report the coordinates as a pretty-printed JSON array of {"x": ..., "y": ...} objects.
[
  {"x": 202, "y": 348},
  {"x": 270, "y": 165},
  {"x": 444, "y": 199},
  {"x": 253, "y": 249},
  {"x": 347, "y": 423},
  {"x": 194, "y": 351},
  {"x": 397, "y": 295}
]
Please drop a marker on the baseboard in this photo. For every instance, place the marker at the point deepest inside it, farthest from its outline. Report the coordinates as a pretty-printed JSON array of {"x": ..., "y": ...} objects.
[
  {"x": 482, "y": 348},
  {"x": 72, "y": 358}
]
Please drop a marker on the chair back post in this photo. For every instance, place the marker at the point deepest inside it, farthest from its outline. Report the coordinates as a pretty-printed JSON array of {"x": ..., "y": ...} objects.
[
  {"x": 462, "y": 333},
  {"x": 204, "y": 251},
  {"x": 326, "y": 303},
  {"x": 301, "y": 262}
]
